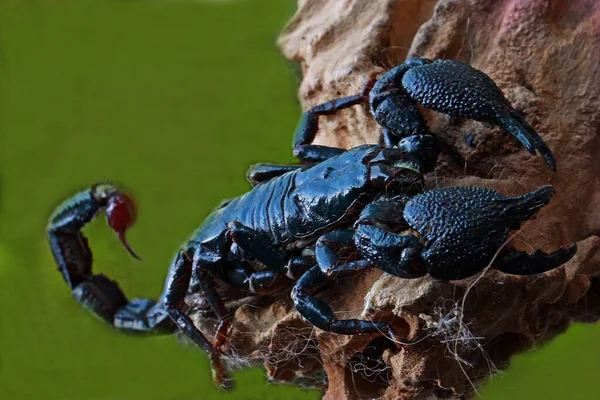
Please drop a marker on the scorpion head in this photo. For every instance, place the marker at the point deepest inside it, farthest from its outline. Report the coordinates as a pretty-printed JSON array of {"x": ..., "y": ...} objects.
[
  {"x": 121, "y": 211},
  {"x": 424, "y": 148},
  {"x": 394, "y": 170}
]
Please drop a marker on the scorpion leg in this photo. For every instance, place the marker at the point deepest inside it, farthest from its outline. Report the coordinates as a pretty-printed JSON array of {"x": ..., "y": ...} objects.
[
  {"x": 316, "y": 311},
  {"x": 298, "y": 265},
  {"x": 96, "y": 292},
  {"x": 262, "y": 282},
  {"x": 209, "y": 256},
  {"x": 517, "y": 262},
  {"x": 265, "y": 282},
  {"x": 374, "y": 237},
  {"x": 257, "y": 246},
  {"x": 241, "y": 275},
  {"x": 175, "y": 291},
  {"x": 279, "y": 270},
  {"x": 309, "y": 126},
  {"x": 263, "y": 172},
  {"x": 209, "y": 290}
]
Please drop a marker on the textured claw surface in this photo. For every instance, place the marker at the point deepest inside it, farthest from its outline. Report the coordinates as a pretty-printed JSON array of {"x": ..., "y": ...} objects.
[
  {"x": 464, "y": 226},
  {"x": 455, "y": 88}
]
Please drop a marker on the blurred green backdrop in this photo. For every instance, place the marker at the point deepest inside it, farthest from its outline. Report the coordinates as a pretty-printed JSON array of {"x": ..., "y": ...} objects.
[{"x": 173, "y": 100}]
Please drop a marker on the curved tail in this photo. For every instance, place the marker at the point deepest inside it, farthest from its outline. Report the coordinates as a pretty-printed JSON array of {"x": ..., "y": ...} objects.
[{"x": 97, "y": 293}]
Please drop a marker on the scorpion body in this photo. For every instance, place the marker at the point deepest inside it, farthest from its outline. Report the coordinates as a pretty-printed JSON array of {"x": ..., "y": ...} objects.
[{"x": 336, "y": 214}]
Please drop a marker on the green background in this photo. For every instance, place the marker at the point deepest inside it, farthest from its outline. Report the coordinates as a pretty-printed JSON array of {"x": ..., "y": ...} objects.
[{"x": 172, "y": 100}]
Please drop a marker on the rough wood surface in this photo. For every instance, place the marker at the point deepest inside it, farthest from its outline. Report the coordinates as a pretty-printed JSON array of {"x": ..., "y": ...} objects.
[{"x": 545, "y": 56}]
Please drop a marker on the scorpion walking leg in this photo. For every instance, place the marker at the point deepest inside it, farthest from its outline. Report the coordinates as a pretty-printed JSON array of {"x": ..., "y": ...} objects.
[
  {"x": 328, "y": 250},
  {"x": 209, "y": 291},
  {"x": 175, "y": 291},
  {"x": 263, "y": 172},
  {"x": 96, "y": 292},
  {"x": 309, "y": 126},
  {"x": 520, "y": 263},
  {"x": 298, "y": 265},
  {"x": 262, "y": 282},
  {"x": 267, "y": 281},
  {"x": 208, "y": 258}
]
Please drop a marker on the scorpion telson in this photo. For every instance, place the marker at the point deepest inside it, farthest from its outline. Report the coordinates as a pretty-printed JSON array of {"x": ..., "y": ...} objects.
[
  {"x": 337, "y": 214},
  {"x": 121, "y": 211}
]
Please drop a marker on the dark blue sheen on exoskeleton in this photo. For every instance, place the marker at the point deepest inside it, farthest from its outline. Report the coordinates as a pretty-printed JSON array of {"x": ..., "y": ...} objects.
[{"x": 337, "y": 214}]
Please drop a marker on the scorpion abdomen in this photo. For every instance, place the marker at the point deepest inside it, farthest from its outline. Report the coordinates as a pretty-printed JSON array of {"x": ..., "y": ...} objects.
[{"x": 301, "y": 203}]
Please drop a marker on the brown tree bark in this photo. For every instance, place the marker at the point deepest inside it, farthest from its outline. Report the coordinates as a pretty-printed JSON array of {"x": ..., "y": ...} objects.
[{"x": 545, "y": 56}]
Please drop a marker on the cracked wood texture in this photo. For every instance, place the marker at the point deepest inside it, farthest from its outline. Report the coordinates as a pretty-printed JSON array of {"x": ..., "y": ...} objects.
[{"x": 544, "y": 55}]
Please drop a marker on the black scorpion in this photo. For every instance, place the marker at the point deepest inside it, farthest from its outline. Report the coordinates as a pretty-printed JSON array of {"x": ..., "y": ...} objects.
[{"x": 335, "y": 215}]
